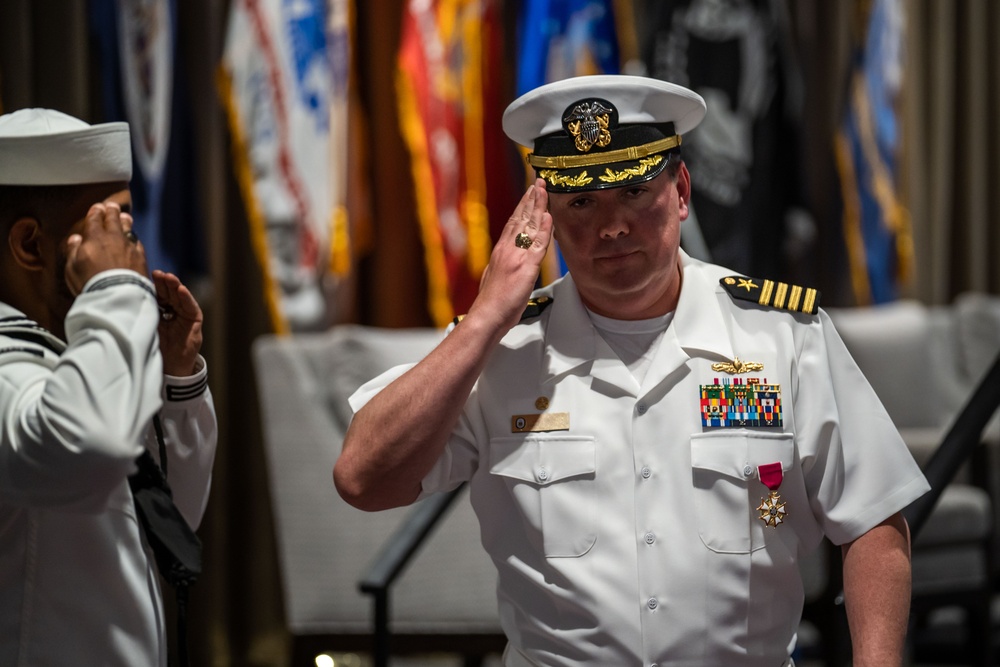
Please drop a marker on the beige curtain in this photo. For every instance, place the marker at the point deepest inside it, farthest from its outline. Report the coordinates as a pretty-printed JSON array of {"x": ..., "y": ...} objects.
[{"x": 952, "y": 146}]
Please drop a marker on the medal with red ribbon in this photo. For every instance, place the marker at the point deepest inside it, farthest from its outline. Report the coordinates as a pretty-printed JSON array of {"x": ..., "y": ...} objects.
[{"x": 772, "y": 509}]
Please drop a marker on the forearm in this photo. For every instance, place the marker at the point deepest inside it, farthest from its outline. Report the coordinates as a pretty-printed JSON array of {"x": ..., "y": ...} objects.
[
  {"x": 877, "y": 592},
  {"x": 394, "y": 440}
]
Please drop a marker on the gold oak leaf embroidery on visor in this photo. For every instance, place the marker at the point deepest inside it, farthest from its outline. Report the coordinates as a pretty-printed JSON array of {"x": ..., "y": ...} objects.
[
  {"x": 553, "y": 177},
  {"x": 645, "y": 165}
]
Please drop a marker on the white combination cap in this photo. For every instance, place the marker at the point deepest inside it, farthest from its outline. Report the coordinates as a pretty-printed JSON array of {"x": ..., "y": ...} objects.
[
  {"x": 47, "y": 147},
  {"x": 603, "y": 131}
]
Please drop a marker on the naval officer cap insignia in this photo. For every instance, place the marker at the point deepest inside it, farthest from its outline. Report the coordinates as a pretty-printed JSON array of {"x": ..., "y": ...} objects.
[
  {"x": 604, "y": 131},
  {"x": 772, "y": 294}
]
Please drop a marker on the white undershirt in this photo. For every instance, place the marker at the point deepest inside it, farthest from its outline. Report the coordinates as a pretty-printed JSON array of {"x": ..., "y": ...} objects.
[{"x": 634, "y": 341}]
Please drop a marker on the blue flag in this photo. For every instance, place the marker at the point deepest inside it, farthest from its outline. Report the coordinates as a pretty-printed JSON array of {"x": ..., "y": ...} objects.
[
  {"x": 876, "y": 225},
  {"x": 141, "y": 85},
  {"x": 558, "y": 39}
]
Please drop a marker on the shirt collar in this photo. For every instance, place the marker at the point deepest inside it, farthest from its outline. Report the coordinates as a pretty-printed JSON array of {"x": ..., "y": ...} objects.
[
  {"x": 699, "y": 321},
  {"x": 14, "y": 321},
  {"x": 699, "y": 324}
]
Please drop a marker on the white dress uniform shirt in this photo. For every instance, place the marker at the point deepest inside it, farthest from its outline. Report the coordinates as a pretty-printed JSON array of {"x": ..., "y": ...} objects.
[
  {"x": 78, "y": 584},
  {"x": 627, "y": 533}
]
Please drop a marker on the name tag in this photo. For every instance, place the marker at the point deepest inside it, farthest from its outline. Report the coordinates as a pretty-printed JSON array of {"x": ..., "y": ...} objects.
[{"x": 546, "y": 421}]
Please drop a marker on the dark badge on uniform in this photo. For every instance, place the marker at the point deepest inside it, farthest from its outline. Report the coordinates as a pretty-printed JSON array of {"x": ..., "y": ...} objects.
[
  {"x": 771, "y": 294},
  {"x": 536, "y": 306}
]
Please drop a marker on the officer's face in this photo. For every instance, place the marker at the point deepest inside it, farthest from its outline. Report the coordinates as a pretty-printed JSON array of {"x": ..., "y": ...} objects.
[{"x": 621, "y": 244}]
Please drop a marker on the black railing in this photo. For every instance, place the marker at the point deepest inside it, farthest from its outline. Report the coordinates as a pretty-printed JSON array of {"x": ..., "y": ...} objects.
[
  {"x": 959, "y": 443},
  {"x": 395, "y": 554}
]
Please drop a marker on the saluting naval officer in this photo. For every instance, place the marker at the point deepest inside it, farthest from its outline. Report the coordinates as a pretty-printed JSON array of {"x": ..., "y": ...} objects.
[
  {"x": 655, "y": 442},
  {"x": 86, "y": 361}
]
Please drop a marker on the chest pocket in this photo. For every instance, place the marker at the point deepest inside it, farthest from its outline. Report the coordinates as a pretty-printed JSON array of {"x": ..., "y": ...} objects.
[
  {"x": 551, "y": 478},
  {"x": 727, "y": 489}
]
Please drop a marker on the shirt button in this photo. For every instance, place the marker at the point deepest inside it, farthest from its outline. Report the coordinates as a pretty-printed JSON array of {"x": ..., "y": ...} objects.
[
  {"x": 650, "y": 538},
  {"x": 652, "y": 603},
  {"x": 747, "y": 470},
  {"x": 646, "y": 472},
  {"x": 543, "y": 474},
  {"x": 641, "y": 408}
]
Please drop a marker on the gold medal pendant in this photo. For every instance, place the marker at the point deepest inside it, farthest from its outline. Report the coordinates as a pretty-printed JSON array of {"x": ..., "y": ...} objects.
[{"x": 772, "y": 510}]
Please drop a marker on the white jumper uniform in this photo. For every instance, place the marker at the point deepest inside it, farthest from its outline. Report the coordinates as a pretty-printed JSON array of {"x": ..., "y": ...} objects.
[
  {"x": 624, "y": 531},
  {"x": 78, "y": 584}
]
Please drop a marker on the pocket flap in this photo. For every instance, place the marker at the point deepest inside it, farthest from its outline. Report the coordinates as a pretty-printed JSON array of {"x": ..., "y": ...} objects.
[
  {"x": 730, "y": 453},
  {"x": 543, "y": 460}
]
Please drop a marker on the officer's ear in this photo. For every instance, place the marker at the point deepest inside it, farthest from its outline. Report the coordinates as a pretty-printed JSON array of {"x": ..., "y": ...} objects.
[
  {"x": 25, "y": 243},
  {"x": 683, "y": 190}
]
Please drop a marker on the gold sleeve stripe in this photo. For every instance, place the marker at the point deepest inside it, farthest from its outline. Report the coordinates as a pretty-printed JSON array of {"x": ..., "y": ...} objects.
[
  {"x": 809, "y": 305},
  {"x": 793, "y": 302},
  {"x": 765, "y": 293},
  {"x": 780, "y": 294}
]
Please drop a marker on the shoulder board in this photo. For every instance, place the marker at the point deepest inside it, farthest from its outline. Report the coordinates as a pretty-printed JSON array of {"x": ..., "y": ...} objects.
[
  {"x": 536, "y": 306},
  {"x": 533, "y": 309},
  {"x": 772, "y": 294}
]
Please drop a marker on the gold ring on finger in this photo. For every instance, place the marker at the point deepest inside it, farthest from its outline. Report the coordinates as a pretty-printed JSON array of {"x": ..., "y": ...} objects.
[
  {"x": 131, "y": 236},
  {"x": 522, "y": 240}
]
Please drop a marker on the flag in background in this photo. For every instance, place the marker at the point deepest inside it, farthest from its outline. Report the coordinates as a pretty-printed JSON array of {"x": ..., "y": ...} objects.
[
  {"x": 742, "y": 157},
  {"x": 558, "y": 39},
  {"x": 283, "y": 81},
  {"x": 876, "y": 225},
  {"x": 141, "y": 85},
  {"x": 440, "y": 77}
]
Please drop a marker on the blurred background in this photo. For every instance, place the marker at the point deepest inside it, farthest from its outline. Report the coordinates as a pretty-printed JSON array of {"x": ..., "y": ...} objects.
[{"x": 303, "y": 164}]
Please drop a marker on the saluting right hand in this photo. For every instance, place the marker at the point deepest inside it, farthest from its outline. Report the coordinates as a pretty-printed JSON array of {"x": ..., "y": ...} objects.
[
  {"x": 513, "y": 269},
  {"x": 104, "y": 243}
]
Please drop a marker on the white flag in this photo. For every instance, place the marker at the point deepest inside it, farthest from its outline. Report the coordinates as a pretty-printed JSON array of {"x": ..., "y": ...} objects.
[{"x": 282, "y": 78}]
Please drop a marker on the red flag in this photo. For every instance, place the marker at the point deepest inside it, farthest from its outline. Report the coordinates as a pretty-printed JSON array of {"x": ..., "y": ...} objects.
[{"x": 439, "y": 85}]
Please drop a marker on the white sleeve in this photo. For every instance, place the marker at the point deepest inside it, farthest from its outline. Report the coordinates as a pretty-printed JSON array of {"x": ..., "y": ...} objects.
[
  {"x": 72, "y": 424},
  {"x": 190, "y": 432},
  {"x": 857, "y": 467}
]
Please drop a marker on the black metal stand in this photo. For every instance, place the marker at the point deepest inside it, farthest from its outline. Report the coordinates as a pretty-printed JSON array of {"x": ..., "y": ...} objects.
[{"x": 396, "y": 553}]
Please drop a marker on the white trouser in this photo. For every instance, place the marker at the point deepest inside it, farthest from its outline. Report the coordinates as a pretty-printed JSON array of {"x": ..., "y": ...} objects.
[{"x": 514, "y": 658}]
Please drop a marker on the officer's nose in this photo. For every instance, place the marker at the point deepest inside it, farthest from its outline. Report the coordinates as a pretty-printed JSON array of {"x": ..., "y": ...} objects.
[{"x": 615, "y": 226}]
